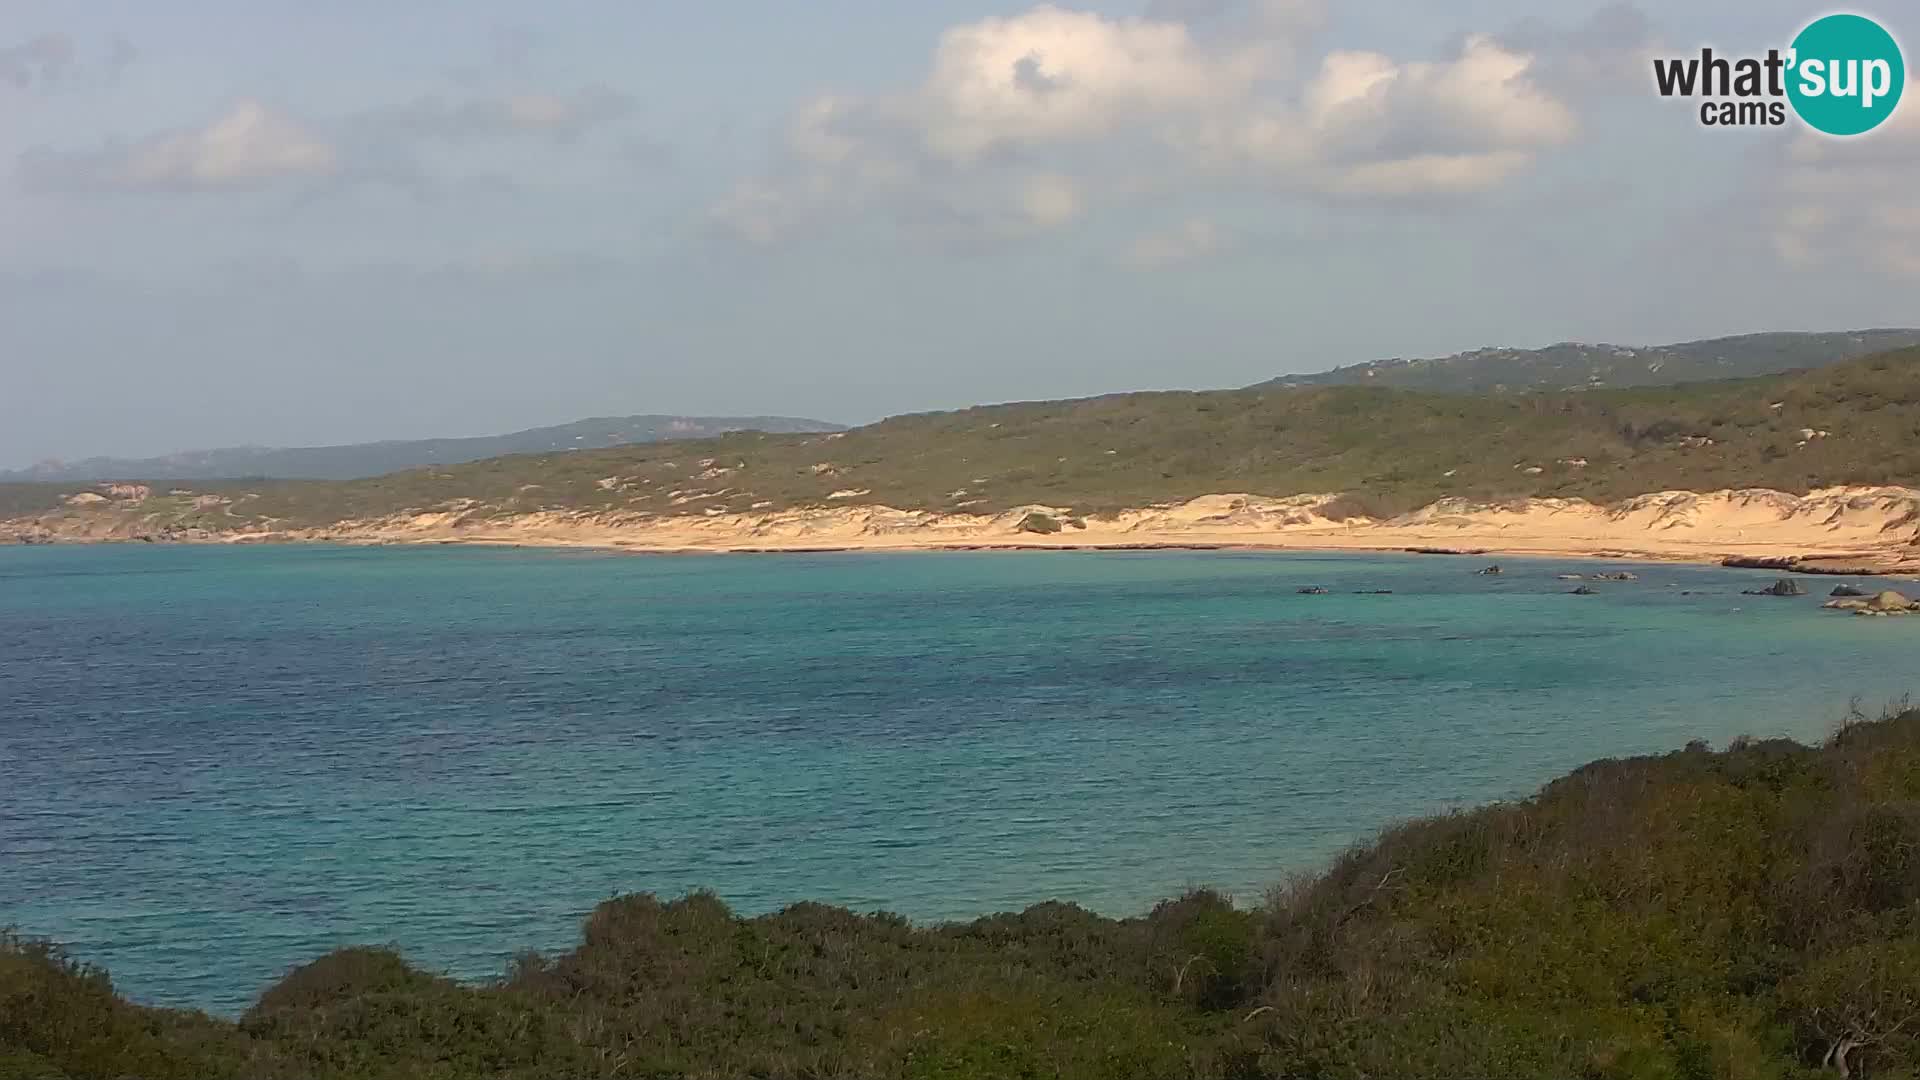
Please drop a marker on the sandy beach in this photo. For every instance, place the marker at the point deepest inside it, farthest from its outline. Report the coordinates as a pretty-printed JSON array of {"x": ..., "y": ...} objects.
[{"x": 1836, "y": 530}]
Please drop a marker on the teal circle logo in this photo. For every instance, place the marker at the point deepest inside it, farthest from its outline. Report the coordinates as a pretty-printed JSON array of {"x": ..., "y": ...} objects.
[{"x": 1846, "y": 76}]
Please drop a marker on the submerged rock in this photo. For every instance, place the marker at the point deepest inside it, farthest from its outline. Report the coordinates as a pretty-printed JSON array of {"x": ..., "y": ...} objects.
[
  {"x": 1847, "y": 590},
  {"x": 1783, "y": 587},
  {"x": 1585, "y": 590},
  {"x": 1618, "y": 575},
  {"x": 1494, "y": 569},
  {"x": 1312, "y": 590}
]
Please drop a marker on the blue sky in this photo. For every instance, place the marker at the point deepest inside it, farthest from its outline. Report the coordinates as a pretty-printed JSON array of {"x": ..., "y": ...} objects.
[{"x": 297, "y": 223}]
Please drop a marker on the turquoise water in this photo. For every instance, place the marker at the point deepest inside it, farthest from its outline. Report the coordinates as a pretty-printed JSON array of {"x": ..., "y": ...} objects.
[{"x": 217, "y": 763}]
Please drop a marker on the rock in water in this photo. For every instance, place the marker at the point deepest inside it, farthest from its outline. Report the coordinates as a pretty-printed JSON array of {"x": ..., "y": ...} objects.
[
  {"x": 1783, "y": 587},
  {"x": 1585, "y": 590},
  {"x": 1886, "y": 603},
  {"x": 1847, "y": 590},
  {"x": 1312, "y": 590},
  {"x": 1494, "y": 569}
]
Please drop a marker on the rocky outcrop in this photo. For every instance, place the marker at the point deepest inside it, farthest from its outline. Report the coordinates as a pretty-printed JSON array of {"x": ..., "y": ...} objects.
[
  {"x": 1783, "y": 587},
  {"x": 1888, "y": 602}
]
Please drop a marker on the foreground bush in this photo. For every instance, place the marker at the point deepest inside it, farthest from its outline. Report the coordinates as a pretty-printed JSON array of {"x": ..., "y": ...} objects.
[{"x": 1748, "y": 914}]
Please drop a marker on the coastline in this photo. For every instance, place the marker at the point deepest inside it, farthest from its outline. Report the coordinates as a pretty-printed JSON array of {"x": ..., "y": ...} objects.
[
  {"x": 1855, "y": 564},
  {"x": 1842, "y": 530}
]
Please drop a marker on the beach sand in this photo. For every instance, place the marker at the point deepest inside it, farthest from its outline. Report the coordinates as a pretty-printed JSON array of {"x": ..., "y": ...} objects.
[{"x": 1840, "y": 530}]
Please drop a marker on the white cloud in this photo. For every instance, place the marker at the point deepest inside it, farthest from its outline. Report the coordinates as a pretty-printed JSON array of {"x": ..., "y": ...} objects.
[
  {"x": 436, "y": 118},
  {"x": 1191, "y": 240},
  {"x": 250, "y": 145},
  {"x": 1049, "y": 200},
  {"x": 254, "y": 145},
  {"x": 1609, "y": 53},
  {"x": 1366, "y": 126},
  {"x": 1053, "y": 74},
  {"x": 1483, "y": 96},
  {"x": 1097, "y": 103}
]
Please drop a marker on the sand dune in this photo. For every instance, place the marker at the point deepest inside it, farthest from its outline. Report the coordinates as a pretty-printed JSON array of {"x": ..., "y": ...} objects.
[{"x": 1868, "y": 527}]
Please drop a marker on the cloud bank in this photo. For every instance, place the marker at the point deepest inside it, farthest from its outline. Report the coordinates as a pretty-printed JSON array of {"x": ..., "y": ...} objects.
[{"x": 1061, "y": 101}]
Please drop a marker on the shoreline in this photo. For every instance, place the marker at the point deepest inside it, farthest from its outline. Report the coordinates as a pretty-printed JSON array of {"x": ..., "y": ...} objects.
[
  {"x": 1854, "y": 564},
  {"x": 617, "y": 547},
  {"x": 1848, "y": 531}
]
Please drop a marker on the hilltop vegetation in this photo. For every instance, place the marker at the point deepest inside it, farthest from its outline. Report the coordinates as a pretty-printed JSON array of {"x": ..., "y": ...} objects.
[
  {"x": 1565, "y": 366},
  {"x": 1752, "y": 913},
  {"x": 1572, "y": 365},
  {"x": 1390, "y": 450},
  {"x": 376, "y": 458}
]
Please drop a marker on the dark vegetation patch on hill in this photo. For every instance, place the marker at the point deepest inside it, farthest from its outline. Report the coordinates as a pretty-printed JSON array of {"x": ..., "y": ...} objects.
[
  {"x": 1572, "y": 365},
  {"x": 1749, "y": 913},
  {"x": 1389, "y": 450}
]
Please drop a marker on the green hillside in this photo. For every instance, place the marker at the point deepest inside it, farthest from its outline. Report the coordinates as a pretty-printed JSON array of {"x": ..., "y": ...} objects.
[
  {"x": 376, "y": 458},
  {"x": 1572, "y": 365},
  {"x": 1747, "y": 914},
  {"x": 1394, "y": 450}
]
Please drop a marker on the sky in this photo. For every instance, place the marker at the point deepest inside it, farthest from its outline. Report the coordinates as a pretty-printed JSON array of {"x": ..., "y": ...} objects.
[{"x": 270, "y": 222}]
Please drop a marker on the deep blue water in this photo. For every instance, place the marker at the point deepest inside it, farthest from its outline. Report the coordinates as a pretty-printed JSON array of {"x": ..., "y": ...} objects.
[{"x": 219, "y": 762}]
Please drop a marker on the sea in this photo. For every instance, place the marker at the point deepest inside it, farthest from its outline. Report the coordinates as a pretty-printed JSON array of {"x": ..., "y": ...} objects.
[{"x": 217, "y": 763}]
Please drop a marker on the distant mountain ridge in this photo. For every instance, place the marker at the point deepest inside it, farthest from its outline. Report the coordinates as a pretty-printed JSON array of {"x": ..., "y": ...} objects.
[
  {"x": 361, "y": 460},
  {"x": 1571, "y": 365}
]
